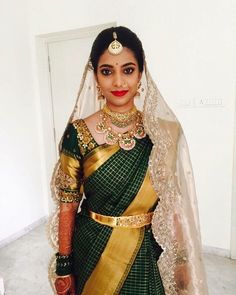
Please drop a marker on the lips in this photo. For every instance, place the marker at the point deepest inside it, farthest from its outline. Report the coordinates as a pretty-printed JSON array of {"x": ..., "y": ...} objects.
[{"x": 119, "y": 93}]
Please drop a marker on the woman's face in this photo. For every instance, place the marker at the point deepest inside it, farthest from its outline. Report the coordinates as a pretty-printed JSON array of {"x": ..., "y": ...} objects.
[{"x": 118, "y": 76}]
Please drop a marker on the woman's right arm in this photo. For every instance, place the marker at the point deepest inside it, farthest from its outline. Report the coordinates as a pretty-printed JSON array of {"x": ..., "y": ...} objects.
[
  {"x": 69, "y": 187},
  {"x": 65, "y": 283}
]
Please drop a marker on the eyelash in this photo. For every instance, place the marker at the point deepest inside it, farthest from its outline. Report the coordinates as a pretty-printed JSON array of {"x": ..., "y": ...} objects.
[
  {"x": 127, "y": 71},
  {"x": 130, "y": 71},
  {"x": 106, "y": 72}
]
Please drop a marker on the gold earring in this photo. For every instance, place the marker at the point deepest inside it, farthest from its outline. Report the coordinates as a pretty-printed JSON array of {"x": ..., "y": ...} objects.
[
  {"x": 100, "y": 95},
  {"x": 138, "y": 89}
]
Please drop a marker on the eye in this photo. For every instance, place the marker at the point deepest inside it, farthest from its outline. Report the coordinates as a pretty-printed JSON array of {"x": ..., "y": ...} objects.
[
  {"x": 106, "y": 72},
  {"x": 128, "y": 71}
]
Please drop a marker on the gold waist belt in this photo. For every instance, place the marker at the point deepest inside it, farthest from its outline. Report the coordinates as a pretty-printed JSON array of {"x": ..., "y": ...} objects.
[{"x": 123, "y": 221}]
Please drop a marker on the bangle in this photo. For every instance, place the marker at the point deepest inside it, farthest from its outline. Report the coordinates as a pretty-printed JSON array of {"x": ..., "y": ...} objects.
[
  {"x": 63, "y": 264},
  {"x": 65, "y": 276},
  {"x": 70, "y": 196},
  {"x": 181, "y": 257}
]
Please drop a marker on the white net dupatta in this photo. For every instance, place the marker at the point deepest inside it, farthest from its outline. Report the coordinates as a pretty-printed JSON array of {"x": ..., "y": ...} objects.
[{"x": 175, "y": 223}]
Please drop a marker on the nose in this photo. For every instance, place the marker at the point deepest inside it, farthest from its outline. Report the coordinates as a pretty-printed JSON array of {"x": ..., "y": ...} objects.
[{"x": 118, "y": 80}]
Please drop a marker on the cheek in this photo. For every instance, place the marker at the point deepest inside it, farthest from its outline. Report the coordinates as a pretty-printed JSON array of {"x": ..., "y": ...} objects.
[
  {"x": 134, "y": 83},
  {"x": 104, "y": 83},
  {"x": 105, "y": 87},
  {"x": 134, "y": 78}
]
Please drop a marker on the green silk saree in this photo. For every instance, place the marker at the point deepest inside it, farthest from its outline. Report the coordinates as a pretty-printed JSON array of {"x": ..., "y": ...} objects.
[{"x": 115, "y": 182}]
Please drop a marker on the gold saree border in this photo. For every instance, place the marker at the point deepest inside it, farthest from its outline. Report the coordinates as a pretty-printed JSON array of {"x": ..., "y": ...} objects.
[
  {"x": 70, "y": 166},
  {"x": 122, "y": 247},
  {"x": 97, "y": 158}
]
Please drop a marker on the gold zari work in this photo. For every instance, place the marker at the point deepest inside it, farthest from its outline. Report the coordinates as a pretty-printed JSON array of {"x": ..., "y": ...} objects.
[
  {"x": 126, "y": 247},
  {"x": 64, "y": 181},
  {"x": 86, "y": 141}
]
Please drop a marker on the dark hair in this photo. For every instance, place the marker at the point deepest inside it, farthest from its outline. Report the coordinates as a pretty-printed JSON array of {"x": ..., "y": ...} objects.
[{"x": 125, "y": 36}]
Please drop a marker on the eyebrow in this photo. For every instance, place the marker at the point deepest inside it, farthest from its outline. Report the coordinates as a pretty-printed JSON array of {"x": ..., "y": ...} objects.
[{"x": 125, "y": 65}]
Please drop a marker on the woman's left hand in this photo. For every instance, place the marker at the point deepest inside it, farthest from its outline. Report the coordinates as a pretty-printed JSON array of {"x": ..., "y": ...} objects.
[{"x": 182, "y": 277}]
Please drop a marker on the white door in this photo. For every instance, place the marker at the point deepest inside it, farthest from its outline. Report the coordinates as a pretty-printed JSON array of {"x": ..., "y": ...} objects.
[
  {"x": 67, "y": 59},
  {"x": 65, "y": 54}
]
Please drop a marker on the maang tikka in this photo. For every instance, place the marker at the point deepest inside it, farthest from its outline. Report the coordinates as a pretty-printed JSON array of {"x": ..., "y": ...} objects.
[{"x": 115, "y": 46}]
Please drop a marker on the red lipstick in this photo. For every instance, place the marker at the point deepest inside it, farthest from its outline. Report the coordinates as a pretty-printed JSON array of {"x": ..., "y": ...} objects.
[{"x": 119, "y": 93}]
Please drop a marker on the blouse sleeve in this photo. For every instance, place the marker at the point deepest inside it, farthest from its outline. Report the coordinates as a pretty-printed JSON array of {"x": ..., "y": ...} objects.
[{"x": 70, "y": 174}]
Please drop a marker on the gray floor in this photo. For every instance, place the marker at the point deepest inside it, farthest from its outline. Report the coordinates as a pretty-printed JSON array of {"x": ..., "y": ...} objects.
[{"x": 23, "y": 265}]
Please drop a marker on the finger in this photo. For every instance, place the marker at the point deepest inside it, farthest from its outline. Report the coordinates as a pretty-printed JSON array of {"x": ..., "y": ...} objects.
[
  {"x": 72, "y": 289},
  {"x": 62, "y": 292},
  {"x": 71, "y": 292}
]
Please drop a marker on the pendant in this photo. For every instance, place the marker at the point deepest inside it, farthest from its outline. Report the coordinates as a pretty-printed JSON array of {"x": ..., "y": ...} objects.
[
  {"x": 100, "y": 127},
  {"x": 127, "y": 143},
  {"x": 110, "y": 138},
  {"x": 140, "y": 132}
]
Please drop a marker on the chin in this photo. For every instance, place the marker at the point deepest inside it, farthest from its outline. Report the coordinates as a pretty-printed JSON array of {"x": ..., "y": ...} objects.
[{"x": 120, "y": 101}]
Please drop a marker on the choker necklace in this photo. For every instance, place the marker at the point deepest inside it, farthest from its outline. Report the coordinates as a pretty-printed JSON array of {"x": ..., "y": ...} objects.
[
  {"x": 121, "y": 120},
  {"x": 125, "y": 140}
]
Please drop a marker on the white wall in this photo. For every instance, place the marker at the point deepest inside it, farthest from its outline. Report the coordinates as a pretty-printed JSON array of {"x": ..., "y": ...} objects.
[
  {"x": 191, "y": 54},
  {"x": 21, "y": 197}
]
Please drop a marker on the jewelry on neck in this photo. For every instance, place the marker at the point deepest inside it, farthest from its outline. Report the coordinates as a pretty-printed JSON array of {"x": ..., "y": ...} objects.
[
  {"x": 125, "y": 140},
  {"x": 121, "y": 120},
  {"x": 115, "y": 46}
]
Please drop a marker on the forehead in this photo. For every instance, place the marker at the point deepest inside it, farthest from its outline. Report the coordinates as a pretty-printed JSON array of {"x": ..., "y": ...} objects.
[{"x": 124, "y": 57}]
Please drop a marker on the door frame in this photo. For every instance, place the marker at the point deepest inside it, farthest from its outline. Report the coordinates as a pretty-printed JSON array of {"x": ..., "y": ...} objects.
[
  {"x": 233, "y": 202},
  {"x": 49, "y": 153}
]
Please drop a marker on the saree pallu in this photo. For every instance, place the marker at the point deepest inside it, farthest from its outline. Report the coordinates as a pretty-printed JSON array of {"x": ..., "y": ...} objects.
[{"x": 115, "y": 260}]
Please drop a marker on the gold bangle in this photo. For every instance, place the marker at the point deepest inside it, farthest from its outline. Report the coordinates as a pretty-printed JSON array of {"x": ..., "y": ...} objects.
[
  {"x": 181, "y": 256},
  {"x": 70, "y": 196}
]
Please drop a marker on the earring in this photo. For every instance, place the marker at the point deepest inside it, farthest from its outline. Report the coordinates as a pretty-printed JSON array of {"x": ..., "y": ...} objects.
[
  {"x": 138, "y": 89},
  {"x": 100, "y": 95}
]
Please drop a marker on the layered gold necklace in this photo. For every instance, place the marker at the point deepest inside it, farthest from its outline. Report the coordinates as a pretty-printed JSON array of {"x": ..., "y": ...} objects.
[
  {"x": 125, "y": 140},
  {"x": 121, "y": 120}
]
